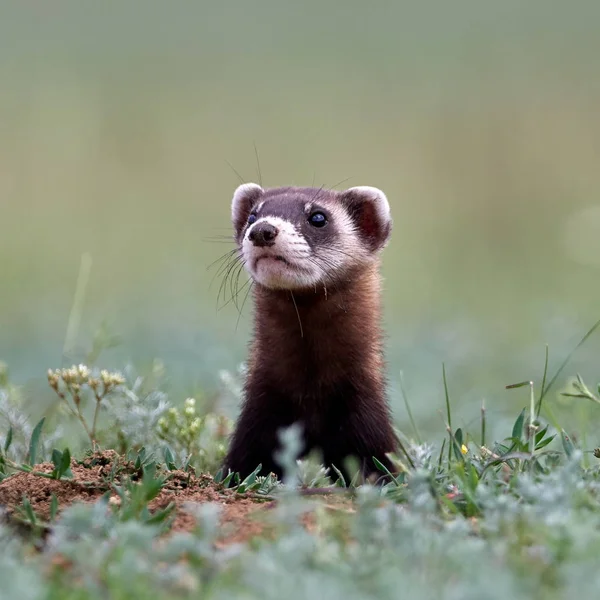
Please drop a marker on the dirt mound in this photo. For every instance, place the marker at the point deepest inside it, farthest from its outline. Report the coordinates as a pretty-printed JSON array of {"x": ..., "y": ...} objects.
[{"x": 94, "y": 476}]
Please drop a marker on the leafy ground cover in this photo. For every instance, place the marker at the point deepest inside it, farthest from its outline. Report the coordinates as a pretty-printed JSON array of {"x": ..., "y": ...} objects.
[{"x": 141, "y": 509}]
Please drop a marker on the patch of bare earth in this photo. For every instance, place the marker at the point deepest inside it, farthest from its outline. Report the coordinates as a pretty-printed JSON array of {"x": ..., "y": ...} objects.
[{"x": 242, "y": 515}]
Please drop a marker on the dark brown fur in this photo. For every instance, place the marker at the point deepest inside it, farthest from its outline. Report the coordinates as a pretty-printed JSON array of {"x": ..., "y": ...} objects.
[{"x": 318, "y": 362}]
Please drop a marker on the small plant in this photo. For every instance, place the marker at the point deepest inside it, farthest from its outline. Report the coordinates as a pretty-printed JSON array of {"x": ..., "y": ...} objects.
[
  {"x": 16, "y": 429},
  {"x": 202, "y": 438},
  {"x": 61, "y": 460},
  {"x": 132, "y": 415},
  {"x": 134, "y": 497},
  {"x": 262, "y": 485},
  {"x": 34, "y": 523},
  {"x": 71, "y": 385},
  {"x": 62, "y": 464},
  {"x": 27, "y": 516},
  {"x": 580, "y": 390},
  {"x": 312, "y": 474}
]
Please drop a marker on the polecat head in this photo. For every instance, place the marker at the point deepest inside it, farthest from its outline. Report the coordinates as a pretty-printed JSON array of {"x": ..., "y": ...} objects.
[{"x": 300, "y": 238}]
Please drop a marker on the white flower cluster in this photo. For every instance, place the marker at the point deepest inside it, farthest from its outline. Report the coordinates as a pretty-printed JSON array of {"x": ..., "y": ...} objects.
[{"x": 77, "y": 376}]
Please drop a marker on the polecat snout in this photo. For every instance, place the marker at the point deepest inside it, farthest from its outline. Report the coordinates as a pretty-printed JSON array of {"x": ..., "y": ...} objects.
[{"x": 316, "y": 355}]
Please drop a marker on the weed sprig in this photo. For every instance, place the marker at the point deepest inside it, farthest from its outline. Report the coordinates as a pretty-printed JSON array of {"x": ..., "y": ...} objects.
[{"x": 70, "y": 385}]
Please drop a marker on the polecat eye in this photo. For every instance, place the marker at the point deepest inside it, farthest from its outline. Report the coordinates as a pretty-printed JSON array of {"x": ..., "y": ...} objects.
[
  {"x": 251, "y": 219},
  {"x": 318, "y": 219}
]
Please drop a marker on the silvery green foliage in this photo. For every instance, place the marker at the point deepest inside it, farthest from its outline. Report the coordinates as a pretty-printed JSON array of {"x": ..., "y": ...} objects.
[
  {"x": 136, "y": 408},
  {"x": 396, "y": 550},
  {"x": 422, "y": 455},
  {"x": 20, "y": 578},
  {"x": 207, "y": 519},
  {"x": 396, "y": 553},
  {"x": 297, "y": 566},
  {"x": 552, "y": 497},
  {"x": 312, "y": 474},
  {"x": 132, "y": 558},
  {"x": 232, "y": 385},
  {"x": 13, "y": 415},
  {"x": 125, "y": 555},
  {"x": 537, "y": 535},
  {"x": 199, "y": 543},
  {"x": 399, "y": 548},
  {"x": 287, "y": 455},
  {"x": 420, "y": 496},
  {"x": 550, "y": 500},
  {"x": 80, "y": 523},
  {"x": 560, "y": 510}
]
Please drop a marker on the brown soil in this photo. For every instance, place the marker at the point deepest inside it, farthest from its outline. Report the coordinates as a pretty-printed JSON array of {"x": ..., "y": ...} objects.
[{"x": 242, "y": 515}]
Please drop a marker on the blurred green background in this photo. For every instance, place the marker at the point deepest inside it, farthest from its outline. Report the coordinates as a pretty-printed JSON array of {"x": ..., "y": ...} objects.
[{"x": 480, "y": 120}]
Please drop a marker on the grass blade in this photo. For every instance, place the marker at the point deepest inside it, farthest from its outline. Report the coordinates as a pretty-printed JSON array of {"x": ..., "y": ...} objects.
[
  {"x": 340, "y": 477},
  {"x": 9, "y": 438},
  {"x": 517, "y": 431},
  {"x": 448, "y": 411},
  {"x": 447, "y": 395},
  {"x": 228, "y": 479},
  {"x": 409, "y": 412},
  {"x": 568, "y": 445},
  {"x": 169, "y": 459},
  {"x": 514, "y": 386},
  {"x": 441, "y": 454},
  {"x": 160, "y": 516},
  {"x": 243, "y": 487},
  {"x": 34, "y": 441},
  {"x": 544, "y": 376},
  {"x": 218, "y": 478},
  {"x": 564, "y": 364},
  {"x": 482, "y": 423},
  {"x": 53, "y": 507},
  {"x": 384, "y": 469},
  {"x": 28, "y": 511},
  {"x": 65, "y": 463}
]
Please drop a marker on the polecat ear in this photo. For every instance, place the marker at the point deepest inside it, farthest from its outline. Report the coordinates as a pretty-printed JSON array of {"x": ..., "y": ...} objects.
[
  {"x": 370, "y": 211},
  {"x": 244, "y": 198}
]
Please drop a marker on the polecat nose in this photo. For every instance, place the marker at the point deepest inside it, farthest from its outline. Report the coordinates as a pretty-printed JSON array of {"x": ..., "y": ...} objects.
[{"x": 263, "y": 234}]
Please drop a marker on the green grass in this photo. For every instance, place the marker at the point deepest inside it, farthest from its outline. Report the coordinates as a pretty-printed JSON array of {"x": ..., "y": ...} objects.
[{"x": 517, "y": 518}]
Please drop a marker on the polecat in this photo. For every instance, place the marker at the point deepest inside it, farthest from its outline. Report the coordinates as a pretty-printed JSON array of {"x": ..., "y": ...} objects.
[{"x": 316, "y": 357}]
